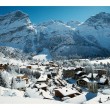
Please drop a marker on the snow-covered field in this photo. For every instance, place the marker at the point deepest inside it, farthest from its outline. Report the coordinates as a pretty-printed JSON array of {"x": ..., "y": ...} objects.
[
  {"x": 13, "y": 96},
  {"x": 104, "y": 61},
  {"x": 19, "y": 100},
  {"x": 43, "y": 56},
  {"x": 11, "y": 61}
]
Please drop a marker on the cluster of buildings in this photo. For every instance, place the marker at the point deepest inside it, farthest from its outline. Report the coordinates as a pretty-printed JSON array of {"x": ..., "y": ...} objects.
[
  {"x": 97, "y": 79},
  {"x": 54, "y": 79}
]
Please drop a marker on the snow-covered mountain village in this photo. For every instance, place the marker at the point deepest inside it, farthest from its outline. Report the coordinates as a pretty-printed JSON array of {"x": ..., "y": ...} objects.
[{"x": 54, "y": 62}]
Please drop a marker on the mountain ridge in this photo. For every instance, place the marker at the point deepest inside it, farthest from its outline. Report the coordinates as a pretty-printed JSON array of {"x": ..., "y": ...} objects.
[{"x": 87, "y": 39}]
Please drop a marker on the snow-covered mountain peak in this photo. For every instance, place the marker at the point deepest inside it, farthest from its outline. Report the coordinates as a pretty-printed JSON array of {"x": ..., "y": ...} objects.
[
  {"x": 60, "y": 39},
  {"x": 73, "y": 24},
  {"x": 16, "y": 13},
  {"x": 96, "y": 30},
  {"x": 16, "y": 30},
  {"x": 13, "y": 16},
  {"x": 100, "y": 19},
  {"x": 54, "y": 26},
  {"x": 19, "y": 13},
  {"x": 102, "y": 15},
  {"x": 50, "y": 22},
  {"x": 13, "y": 20}
]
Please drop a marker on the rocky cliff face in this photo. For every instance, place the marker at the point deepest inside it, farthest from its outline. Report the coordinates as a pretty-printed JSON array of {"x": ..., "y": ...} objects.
[{"x": 16, "y": 30}]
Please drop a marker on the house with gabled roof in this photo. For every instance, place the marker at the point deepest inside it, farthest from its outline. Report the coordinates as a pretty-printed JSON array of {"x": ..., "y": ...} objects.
[
  {"x": 83, "y": 82},
  {"x": 18, "y": 83},
  {"x": 92, "y": 76},
  {"x": 103, "y": 81},
  {"x": 78, "y": 74},
  {"x": 42, "y": 78},
  {"x": 66, "y": 92},
  {"x": 100, "y": 71},
  {"x": 41, "y": 86}
]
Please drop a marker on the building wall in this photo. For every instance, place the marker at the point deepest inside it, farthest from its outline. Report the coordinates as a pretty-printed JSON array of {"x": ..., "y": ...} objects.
[
  {"x": 93, "y": 87},
  {"x": 100, "y": 72},
  {"x": 58, "y": 94},
  {"x": 68, "y": 73},
  {"x": 17, "y": 84},
  {"x": 82, "y": 83}
]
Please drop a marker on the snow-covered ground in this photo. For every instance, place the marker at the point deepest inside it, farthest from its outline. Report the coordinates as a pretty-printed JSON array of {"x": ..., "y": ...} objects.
[
  {"x": 6, "y": 92},
  {"x": 12, "y": 61},
  {"x": 43, "y": 56},
  {"x": 35, "y": 96},
  {"x": 82, "y": 98},
  {"x": 19, "y": 100},
  {"x": 13, "y": 96},
  {"x": 104, "y": 61},
  {"x": 99, "y": 99}
]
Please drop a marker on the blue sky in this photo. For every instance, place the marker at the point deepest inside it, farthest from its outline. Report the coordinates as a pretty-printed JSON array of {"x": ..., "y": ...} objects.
[{"x": 39, "y": 14}]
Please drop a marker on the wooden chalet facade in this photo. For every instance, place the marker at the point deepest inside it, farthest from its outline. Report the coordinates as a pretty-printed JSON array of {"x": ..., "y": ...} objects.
[
  {"x": 68, "y": 72},
  {"x": 100, "y": 72},
  {"x": 66, "y": 92},
  {"x": 83, "y": 82},
  {"x": 79, "y": 74}
]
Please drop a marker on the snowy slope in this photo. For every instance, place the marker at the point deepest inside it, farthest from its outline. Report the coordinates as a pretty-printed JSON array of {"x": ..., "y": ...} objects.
[
  {"x": 17, "y": 31},
  {"x": 19, "y": 100},
  {"x": 67, "y": 40},
  {"x": 55, "y": 38},
  {"x": 96, "y": 30},
  {"x": 73, "y": 24},
  {"x": 43, "y": 56},
  {"x": 12, "y": 55},
  {"x": 104, "y": 61},
  {"x": 12, "y": 96}
]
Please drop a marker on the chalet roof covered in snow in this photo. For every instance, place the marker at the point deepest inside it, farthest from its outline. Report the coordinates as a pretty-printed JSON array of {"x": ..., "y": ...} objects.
[
  {"x": 42, "y": 78},
  {"x": 66, "y": 91},
  {"x": 102, "y": 80},
  {"x": 86, "y": 79},
  {"x": 78, "y": 72},
  {"x": 79, "y": 66},
  {"x": 22, "y": 67},
  {"x": 77, "y": 100},
  {"x": 41, "y": 85},
  {"x": 90, "y": 75},
  {"x": 52, "y": 68},
  {"x": 83, "y": 98},
  {"x": 47, "y": 72},
  {"x": 20, "y": 75},
  {"x": 69, "y": 68}
]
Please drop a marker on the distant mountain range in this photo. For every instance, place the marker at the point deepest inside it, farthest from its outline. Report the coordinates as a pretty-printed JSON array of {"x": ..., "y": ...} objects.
[{"x": 72, "y": 39}]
